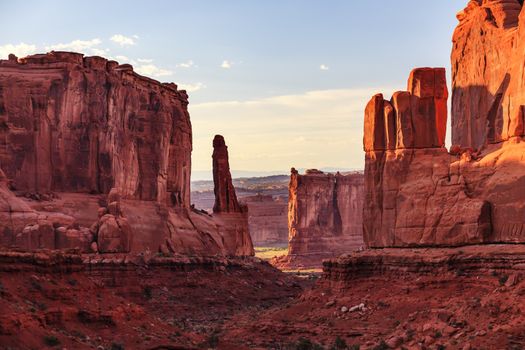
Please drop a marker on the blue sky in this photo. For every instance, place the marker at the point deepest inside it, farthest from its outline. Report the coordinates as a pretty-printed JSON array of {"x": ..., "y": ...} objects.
[{"x": 285, "y": 81}]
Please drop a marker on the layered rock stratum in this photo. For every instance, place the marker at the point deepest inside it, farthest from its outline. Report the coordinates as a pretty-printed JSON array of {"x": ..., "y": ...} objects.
[
  {"x": 324, "y": 216},
  {"x": 97, "y": 157}
]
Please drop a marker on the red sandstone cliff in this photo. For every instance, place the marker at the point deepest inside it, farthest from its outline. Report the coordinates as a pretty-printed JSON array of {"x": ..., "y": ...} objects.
[
  {"x": 324, "y": 216},
  {"x": 424, "y": 195},
  {"x": 100, "y": 158},
  {"x": 267, "y": 219},
  {"x": 487, "y": 73}
]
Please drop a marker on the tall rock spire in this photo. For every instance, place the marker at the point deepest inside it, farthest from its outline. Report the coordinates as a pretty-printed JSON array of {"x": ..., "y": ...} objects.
[{"x": 225, "y": 197}]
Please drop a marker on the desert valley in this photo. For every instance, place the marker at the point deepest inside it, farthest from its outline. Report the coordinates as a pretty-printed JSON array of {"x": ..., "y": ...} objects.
[{"x": 107, "y": 242}]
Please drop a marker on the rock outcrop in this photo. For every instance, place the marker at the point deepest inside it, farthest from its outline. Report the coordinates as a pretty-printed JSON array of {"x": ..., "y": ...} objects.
[
  {"x": 85, "y": 124},
  {"x": 412, "y": 195},
  {"x": 426, "y": 196},
  {"x": 98, "y": 158},
  {"x": 324, "y": 216},
  {"x": 225, "y": 197},
  {"x": 267, "y": 219},
  {"x": 487, "y": 73},
  {"x": 227, "y": 210}
]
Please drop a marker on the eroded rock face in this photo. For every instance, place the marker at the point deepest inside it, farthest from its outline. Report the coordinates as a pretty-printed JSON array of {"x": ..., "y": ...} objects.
[
  {"x": 85, "y": 124},
  {"x": 225, "y": 197},
  {"x": 234, "y": 217},
  {"x": 98, "y": 158},
  {"x": 268, "y": 219},
  {"x": 414, "y": 194},
  {"x": 324, "y": 215},
  {"x": 487, "y": 73}
]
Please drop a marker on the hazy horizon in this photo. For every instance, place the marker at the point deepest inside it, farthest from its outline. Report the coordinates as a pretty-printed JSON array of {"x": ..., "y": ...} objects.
[{"x": 285, "y": 82}]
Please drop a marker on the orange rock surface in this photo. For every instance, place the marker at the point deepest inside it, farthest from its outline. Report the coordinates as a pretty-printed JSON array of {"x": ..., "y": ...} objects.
[{"x": 324, "y": 216}]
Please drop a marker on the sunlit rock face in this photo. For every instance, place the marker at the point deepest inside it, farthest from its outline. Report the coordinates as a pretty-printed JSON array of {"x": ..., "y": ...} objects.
[
  {"x": 86, "y": 124},
  {"x": 324, "y": 215},
  {"x": 487, "y": 73},
  {"x": 98, "y": 158},
  {"x": 418, "y": 193}
]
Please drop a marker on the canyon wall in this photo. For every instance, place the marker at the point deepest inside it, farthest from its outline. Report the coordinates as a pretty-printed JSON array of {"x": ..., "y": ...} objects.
[
  {"x": 420, "y": 194},
  {"x": 85, "y": 124},
  {"x": 98, "y": 158},
  {"x": 268, "y": 219},
  {"x": 324, "y": 215}
]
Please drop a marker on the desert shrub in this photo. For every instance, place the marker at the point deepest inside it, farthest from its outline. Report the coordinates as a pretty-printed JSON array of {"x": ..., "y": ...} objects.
[
  {"x": 147, "y": 292},
  {"x": 339, "y": 344},
  {"x": 51, "y": 340},
  {"x": 306, "y": 344},
  {"x": 36, "y": 285},
  {"x": 212, "y": 341},
  {"x": 117, "y": 346},
  {"x": 381, "y": 346},
  {"x": 503, "y": 279}
]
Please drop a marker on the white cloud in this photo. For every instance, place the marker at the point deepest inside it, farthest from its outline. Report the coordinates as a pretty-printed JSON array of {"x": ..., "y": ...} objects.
[
  {"x": 152, "y": 70},
  {"x": 324, "y": 67},
  {"x": 20, "y": 50},
  {"x": 136, "y": 36},
  {"x": 314, "y": 129},
  {"x": 144, "y": 60},
  {"x": 123, "y": 40},
  {"x": 192, "y": 87},
  {"x": 226, "y": 64},
  {"x": 122, "y": 59},
  {"x": 81, "y": 46},
  {"x": 99, "y": 52},
  {"x": 187, "y": 64}
]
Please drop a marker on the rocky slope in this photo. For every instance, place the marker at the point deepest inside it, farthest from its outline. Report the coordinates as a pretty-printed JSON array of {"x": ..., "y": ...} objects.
[
  {"x": 121, "y": 301},
  {"x": 97, "y": 157}
]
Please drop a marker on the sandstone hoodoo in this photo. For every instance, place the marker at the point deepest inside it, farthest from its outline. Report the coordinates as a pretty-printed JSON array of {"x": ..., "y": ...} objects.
[
  {"x": 97, "y": 157},
  {"x": 232, "y": 217},
  {"x": 324, "y": 216},
  {"x": 225, "y": 197}
]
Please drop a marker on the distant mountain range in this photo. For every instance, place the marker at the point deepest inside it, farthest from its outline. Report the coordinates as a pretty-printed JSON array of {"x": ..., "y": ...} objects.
[{"x": 206, "y": 175}]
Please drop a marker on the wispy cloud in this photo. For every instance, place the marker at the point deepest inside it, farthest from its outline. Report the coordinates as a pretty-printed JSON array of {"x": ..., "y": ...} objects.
[
  {"x": 144, "y": 60},
  {"x": 187, "y": 64},
  {"x": 192, "y": 87},
  {"x": 330, "y": 131},
  {"x": 152, "y": 70},
  {"x": 20, "y": 50},
  {"x": 82, "y": 46},
  {"x": 226, "y": 64},
  {"x": 123, "y": 40},
  {"x": 324, "y": 67}
]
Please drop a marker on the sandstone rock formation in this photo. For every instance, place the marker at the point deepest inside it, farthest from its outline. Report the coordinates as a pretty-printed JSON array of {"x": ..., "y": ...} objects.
[
  {"x": 227, "y": 209},
  {"x": 86, "y": 124},
  {"x": 487, "y": 73},
  {"x": 225, "y": 197},
  {"x": 324, "y": 215},
  {"x": 413, "y": 196},
  {"x": 424, "y": 195},
  {"x": 98, "y": 158},
  {"x": 267, "y": 219}
]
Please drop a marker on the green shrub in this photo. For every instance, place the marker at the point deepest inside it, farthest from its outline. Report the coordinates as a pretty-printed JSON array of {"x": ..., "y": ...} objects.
[{"x": 51, "y": 340}]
